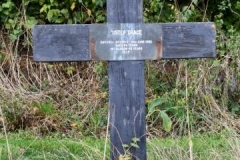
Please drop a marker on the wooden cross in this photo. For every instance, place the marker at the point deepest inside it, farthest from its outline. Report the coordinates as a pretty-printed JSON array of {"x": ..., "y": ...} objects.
[{"x": 125, "y": 41}]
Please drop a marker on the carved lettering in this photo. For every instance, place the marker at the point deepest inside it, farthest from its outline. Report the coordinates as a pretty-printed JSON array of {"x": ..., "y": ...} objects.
[
  {"x": 126, "y": 32},
  {"x": 135, "y": 32}
]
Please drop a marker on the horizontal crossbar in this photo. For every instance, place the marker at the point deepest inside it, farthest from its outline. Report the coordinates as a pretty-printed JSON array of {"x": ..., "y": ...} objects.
[{"x": 53, "y": 43}]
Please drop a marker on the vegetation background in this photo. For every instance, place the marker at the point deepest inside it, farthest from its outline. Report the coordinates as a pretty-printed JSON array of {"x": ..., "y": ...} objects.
[{"x": 70, "y": 100}]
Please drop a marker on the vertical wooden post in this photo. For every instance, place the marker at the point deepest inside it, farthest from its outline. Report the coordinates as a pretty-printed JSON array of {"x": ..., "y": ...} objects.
[{"x": 126, "y": 88}]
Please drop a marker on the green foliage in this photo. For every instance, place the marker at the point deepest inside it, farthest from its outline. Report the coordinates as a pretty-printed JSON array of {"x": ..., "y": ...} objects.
[
  {"x": 127, "y": 154},
  {"x": 167, "y": 123},
  {"x": 70, "y": 70},
  {"x": 102, "y": 76},
  {"x": 13, "y": 115},
  {"x": 133, "y": 144},
  {"x": 152, "y": 107},
  {"x": 158, "y": 11},
  {"x": 213, "y": 86},
  {"x": 225, "y": 11},
  {"x": 71, "y": 11},
  {"x": 47, "y": 108},
  {"x": 96, "y": 123},
  {"x": 219, "y": 77},
  {"x": 17, "y": 16},
  {"x": 171, "y": 104},
  {"x": 13, "y": 17}
]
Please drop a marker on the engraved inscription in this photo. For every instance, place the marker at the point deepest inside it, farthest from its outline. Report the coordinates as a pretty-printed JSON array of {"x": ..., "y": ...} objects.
[
  {"x": 127, "y": 46},
  {"x": 126, "y": 32},
  {"x": 126, "y": 41}
]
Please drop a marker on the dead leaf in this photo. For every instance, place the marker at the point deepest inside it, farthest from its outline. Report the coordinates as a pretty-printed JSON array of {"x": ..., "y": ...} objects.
[
  {"x": 122, "y": 157},
  {"x": 73, "y": 5},
  {"x": 89, "y": 12},
  {"x": 73, "y": 125}
]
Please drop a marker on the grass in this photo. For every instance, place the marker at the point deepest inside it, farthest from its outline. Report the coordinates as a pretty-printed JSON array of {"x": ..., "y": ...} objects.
[
  {"x": 205, "y": 147},
  {"x": 220, "y": 146},
  {"x": 25, "y": 146}
]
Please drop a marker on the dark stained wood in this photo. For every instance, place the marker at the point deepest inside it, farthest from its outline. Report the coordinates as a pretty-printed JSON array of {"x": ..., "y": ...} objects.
[
  {"x": 61, "y": 43},
  {"x": 188, "y": 40},
  {"x": 71, "y": 42},
  {"x": 127, "y": 107},
  {"x": 126, "y": 88}
]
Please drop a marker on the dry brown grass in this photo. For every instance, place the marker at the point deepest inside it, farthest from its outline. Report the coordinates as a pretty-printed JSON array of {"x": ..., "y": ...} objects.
[
  {"x": 78, "y": 92},
  {"x": 72, "y": 88}
]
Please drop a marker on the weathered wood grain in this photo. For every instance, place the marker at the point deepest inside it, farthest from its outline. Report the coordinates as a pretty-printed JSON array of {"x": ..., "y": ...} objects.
[
  {"x": 189, "y": 40},
  {"x": 61, "y": 43},
  {"x": 71, "y": 42},
  {"x": 126, "y": 88}
]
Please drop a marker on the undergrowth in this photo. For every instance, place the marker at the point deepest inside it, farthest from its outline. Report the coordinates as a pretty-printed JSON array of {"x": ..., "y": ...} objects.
[{"x": 200, "y": 95}]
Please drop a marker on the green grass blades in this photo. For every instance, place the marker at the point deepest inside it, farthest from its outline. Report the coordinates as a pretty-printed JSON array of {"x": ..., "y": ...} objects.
[
  {"x": 220, "y": 146},
  {"x": 28, "y": 147}
]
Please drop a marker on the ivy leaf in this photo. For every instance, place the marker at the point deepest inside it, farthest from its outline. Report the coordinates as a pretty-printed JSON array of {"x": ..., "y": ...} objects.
[
  {"x": 134, "y": 145},
  {"x": 12, "y": 37},
  {"x": 17, "y": 31},
  {"x": 65, "y": 13},
  {"x": 125, "y": 146},
  {"x": 167, "y": 122},
  {"x": 50, "y": 15},
  {"x": 135, "y": 140},
  {"x": 31, "y": 21},
  {"x": 44, "y": 8}
]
